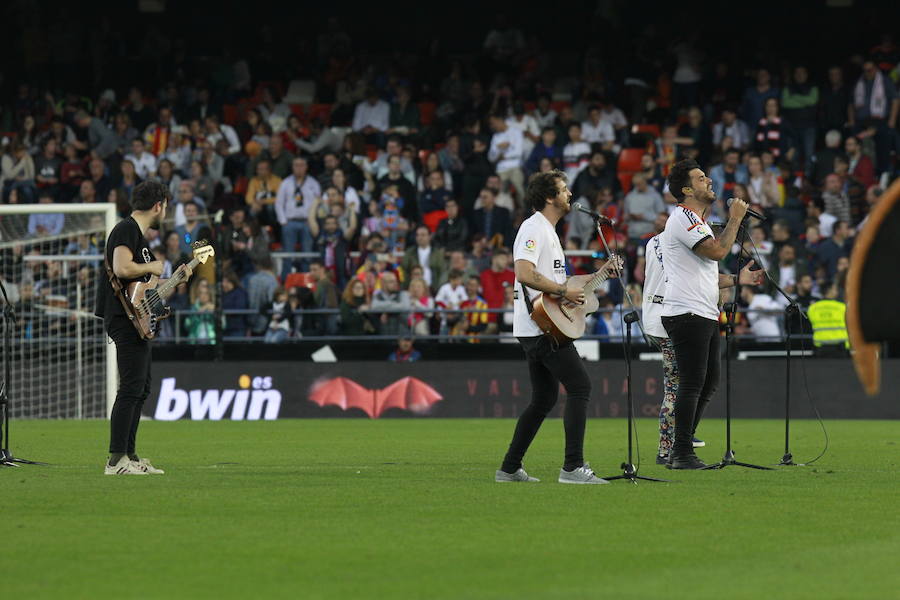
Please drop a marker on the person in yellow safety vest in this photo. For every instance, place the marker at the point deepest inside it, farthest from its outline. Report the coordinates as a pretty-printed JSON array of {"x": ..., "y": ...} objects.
[{"x": 828, "y": 322}]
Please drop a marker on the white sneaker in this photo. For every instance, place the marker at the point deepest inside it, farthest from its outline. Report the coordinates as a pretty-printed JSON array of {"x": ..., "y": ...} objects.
[
  {"x": 503, "y": 477},
  {"x": 125, "y": 466},
  {"x": 581, "y": 475},
  {"x": 150, "y": 469}
]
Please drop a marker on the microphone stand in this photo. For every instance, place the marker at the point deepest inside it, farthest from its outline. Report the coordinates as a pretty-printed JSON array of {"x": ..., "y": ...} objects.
[
  {"x": 730, "y": 311},
  {"x": 629, "y": 472},
  {"x": 8, "y": 320}
]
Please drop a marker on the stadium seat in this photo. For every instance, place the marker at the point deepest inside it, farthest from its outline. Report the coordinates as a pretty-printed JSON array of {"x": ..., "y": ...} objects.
[
  {"x": 630, "y": 159},
  {"x": 240, "y": 187},
  {"x": 294, "y": 280},
  {"x": 300, "y": 91},
  {"x": 625, "y": 181},
  {"x": 372, "y": 152},
  {"x": 297, "y": 109},
  {"x": 558, "y": 105},
  {"x": 230, "y": 114},
  {"x": 426, "y": 112},
  {"x": 433, "y": 219},
  {"x": 319, "y": 111},
  {"x": 649, "y": 128}
]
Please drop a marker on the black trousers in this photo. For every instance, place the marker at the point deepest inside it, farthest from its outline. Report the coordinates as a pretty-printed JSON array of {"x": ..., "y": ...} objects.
[
  {"x": 548, "y": 367},
  {"x": 133, "y": 359},
  {"x": 695, "y": 340}
]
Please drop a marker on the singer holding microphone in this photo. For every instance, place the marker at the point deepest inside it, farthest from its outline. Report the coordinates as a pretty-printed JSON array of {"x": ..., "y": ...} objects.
[{"x": 690, "y": 311}]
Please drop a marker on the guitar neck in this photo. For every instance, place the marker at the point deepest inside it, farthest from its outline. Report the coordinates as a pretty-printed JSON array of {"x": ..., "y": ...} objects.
[
  {"x": 166, "y": 289},
  {"x": 598, "y": 278}
]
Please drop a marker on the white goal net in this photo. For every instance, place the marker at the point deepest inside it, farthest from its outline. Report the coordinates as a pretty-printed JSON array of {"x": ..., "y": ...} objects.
[{"x": 50, "y": 264}]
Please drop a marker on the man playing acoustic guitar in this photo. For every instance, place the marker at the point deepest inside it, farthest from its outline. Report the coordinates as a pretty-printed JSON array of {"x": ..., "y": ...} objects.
[
  {"x": 541, "y": 265},
  {"x": 131, "y": 259}
]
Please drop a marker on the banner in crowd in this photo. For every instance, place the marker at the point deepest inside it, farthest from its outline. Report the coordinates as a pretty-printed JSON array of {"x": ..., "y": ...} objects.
[{"x": 276, "y": 390}]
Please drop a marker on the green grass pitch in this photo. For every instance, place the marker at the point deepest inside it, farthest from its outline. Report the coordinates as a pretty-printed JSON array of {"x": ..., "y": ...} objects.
[{"x": 353, "y": 509}]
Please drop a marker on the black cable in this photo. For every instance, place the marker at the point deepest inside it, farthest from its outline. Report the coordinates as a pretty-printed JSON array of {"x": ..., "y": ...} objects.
[{"x": 803, "y": 318}]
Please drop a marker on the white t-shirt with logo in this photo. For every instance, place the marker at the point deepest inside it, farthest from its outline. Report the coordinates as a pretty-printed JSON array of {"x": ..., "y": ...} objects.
[
  {"x": 537, "y": 243},
  {"x": 654, "y": 288},
  {"x": 692, "y": 281}
]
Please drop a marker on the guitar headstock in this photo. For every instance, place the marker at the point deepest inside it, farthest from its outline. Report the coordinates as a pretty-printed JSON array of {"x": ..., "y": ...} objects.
[
  {"x": 614, "y": 265},
  {"x": 203, "y": 251}
]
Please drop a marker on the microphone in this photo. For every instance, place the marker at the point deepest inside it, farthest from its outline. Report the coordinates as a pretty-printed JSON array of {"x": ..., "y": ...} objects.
[
  {"x": 750, "y": 211},
  {"x": 594, "y": 215}
]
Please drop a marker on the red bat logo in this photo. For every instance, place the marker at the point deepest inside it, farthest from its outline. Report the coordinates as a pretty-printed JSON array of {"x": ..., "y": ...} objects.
[{"x": 408, "y": 393}]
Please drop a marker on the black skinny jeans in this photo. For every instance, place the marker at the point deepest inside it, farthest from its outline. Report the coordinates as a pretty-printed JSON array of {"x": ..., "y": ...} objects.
[
  {"x": 548, "y": 368},
  {"x": 133, "y": 359},
  {"x": 695, "y": 340}
]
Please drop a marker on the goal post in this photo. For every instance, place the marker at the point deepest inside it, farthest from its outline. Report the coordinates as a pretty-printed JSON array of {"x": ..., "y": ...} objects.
[{"x": 51, "y": 260}]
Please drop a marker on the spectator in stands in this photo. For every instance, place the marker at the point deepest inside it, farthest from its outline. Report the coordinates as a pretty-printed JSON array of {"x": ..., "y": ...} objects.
[
  {"x": 873, "y": 195},
  {"x": 45, "y": 224},
  {"x": 451, "y": 161},
  {"x": 406, "y": 193},
  {"x": 800, "y": 100},
  {"x": 788, "y": 269},
  {"x": 495, "y": 280},
  {"x": 506, "y": 152},
  {"x": 272, "y": 109},
  {"x": 47, "y": 169},
  {"x": 60, "y": 132},
  {"x": 330, "y": 238},
  {"x": 262, "y": 193},
  {"x": 127, "y": 182},
  {"x": 194, "y": 229},
  {"x": 727, "y": 174},
  {"x": 642, "y": 205},
  {"x": 404, "y": 115},
  {"x": 391, "y": 298},
  {"x": 166, "y": 175},
  {"x": 608, "y": 324},
  {"x": 261, "y": 287},
  {"x": 124, "y": 133},
  {"x": 453, "y": 232},
  {"x": 280, "y": 318},
  {"x": 544, "y": 113},
  {"x": 216, "y": 132},
  {"x": 781, "y": 236},
  {"x": 596, "y": 130},
  {"x": 138, "y": 113},
  {"x": 861, "y": 168},
  {"x": 834, "y": 112},
  {"x": 669, "y": 146},
  {"x": 234, "y": 297},
  {"x": 874, "y": 112},
  {"x": 545, "y": 148},
  {"x": 421, "y": 300},
  {"x": 157, "y": 134},
  {"x": 449, "y": 297},
  {"x": 805, "y": 294},
  {"x": 576, "y": 153},
  {"x": 102, "y": 183},
  {"x": 526, "y": 124},
  {"x": 502, "y": 197},
  {"x": 755, "y": 97},
  {"x": 474, "y": 321},
  {"x": 87, "y": 193},
  {"x": 434, "y": 198},
  {"x": 762, "y": 186},
  {"x": 823, "y": 160},
  {"x": 773, "y": 133},
  {"x": 652, "y": 172},
  {"x": 173, "y": 257},
  {"x": 837, "y": 203},
  {"x": 491, "y": 220},
  {"x": 405, "y": 351},
  {"x": 598, "y": 174},
  {"x": 831, "y": 250},
  {"x": 732, "y": 128},
  {"x": 295, "y": 197},
  {"x": 18, "y": 173},
  {"x": 351, "y": 197},
  {"x": 144, "y": 162},
  {"x": 28, "y": 135},
  {"x": 101, "y": 140},
  {"x": 427, "y": 255},
  {"x": 372, "y": 118},
  {"x": 698, "y": 138},
  {"x": 354, "y": 305},
  {"x": 475, "y": 173},
  {"x": 432, "y": 165},
  {"x": 281, "y": 160},
  {"x": 394, "y": 148},
  {"x": 201, "y": 324},
  {"x": 762, "y": 314},
  {"x": 72, "y": 173},
  {"x": 480, "y": 255},
  {"x": 204, "y": 185},
  {"x": 320, "y": 139}
]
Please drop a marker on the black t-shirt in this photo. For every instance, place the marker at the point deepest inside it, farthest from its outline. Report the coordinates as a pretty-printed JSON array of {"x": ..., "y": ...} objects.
[{"x": 127, "y": 233}]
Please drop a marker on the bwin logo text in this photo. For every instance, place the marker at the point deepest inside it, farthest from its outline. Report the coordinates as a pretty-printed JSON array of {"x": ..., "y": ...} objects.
[{"x": 264, "y": 402}]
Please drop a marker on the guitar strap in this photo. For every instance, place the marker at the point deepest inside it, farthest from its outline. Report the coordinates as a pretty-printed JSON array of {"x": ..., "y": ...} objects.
[
  {"x": 119, "y": 291},
  {"x": 528, "y": 303}
]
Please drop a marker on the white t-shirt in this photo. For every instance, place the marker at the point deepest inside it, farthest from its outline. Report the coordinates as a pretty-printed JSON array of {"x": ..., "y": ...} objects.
[
  {"x": 537, "y": 243},
  {"x": 763, "y": 325},
  {"x": 654, "y": 288},
  {"x": 692, "y": 281},
  {"x": 451, "y": 297}
]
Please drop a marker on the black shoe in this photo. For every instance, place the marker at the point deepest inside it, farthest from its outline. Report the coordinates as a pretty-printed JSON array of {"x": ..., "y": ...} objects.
[
  {"x": 662, "y": 460},
  {"x": 686, "y": 462}
]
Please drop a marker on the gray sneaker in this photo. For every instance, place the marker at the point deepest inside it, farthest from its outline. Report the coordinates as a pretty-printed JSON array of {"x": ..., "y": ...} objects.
[
  {"x": 581, "y": 475},
  {"x": 502, "y": 476}
]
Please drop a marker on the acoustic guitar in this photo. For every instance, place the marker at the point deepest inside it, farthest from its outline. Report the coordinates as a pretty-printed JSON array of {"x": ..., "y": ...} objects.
[
  {"x": 565, "y": 321},
  {"x": 145, "y": 302}
]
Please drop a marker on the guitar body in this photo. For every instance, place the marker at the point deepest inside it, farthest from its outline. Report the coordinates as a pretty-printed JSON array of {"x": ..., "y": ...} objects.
[
  {"x": 559, "y": 318},
  {"x": 149, "y": 305}
]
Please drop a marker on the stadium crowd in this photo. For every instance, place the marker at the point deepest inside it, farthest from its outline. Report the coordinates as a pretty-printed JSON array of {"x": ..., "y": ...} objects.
[{"x": 402, "y": 191}]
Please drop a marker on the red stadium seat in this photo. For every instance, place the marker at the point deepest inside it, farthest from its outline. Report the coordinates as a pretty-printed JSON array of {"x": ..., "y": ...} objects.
[
  {"x": 651, "y": 128},
  {"x": 433, "y": 219},
  {"x": 625, "y": 181},
  {"x": 319, "y": 111},
  {"x": 372, "y": 152},
  {"x": 559, "y": 105},
  {"x": 294, "y": 280},
  {"x": 630, "y": 159},
  {"x": 426, "y": 112},
  {"x": 297, "y": 109},
  {"x": 230, "y": 114},
  {"x": 240, "y": 187}
]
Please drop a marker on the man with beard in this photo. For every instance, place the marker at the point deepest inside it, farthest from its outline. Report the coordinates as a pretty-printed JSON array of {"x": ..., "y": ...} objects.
[
  {"x": 130, "y": 257},
  {"x": 690, "y": 313},
  {"x": 540, "y": 266}
]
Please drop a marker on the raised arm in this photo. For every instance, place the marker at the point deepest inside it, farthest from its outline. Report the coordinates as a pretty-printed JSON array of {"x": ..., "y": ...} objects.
[{"x": 717, "y": 249}]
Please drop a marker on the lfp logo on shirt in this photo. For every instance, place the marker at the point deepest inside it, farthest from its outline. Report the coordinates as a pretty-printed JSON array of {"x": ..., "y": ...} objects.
[{"x": 529, "y": 245}]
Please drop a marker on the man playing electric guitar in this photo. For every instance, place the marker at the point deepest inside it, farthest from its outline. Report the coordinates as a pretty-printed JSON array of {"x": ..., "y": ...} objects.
[
  {"x": 540, "y": 267},
  {"x": 131, "y": 259}
]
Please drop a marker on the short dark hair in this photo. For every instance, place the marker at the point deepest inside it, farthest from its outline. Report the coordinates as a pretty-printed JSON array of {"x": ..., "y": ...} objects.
[
  {"x": 317, "y": 261},
  {"x": 147, "y": 193},
  {"x": 455, "y": 274},
  {"x": 541, "y": 187},
  {"x": 680, "y": 177}
]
